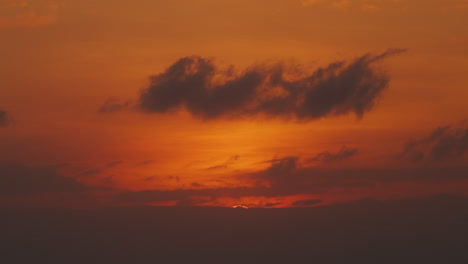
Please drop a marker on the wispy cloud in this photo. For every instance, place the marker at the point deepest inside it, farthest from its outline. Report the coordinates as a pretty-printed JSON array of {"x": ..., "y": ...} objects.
[
  {"x": 342, "y": 154},
  {"x": 224, "y": 165},
  {"x": 444, "y": 143},
  {"x": 113, "y": 105}
]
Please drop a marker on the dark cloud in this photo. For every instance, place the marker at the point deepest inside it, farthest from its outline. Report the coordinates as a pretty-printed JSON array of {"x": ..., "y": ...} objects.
[
  {"x": 5, "y": 119},
  {"x": 280, "y": 90},
  {"x": 444, "y": 143},
  {"x": 184, "y": 194},
  {"x": 175, "y": 178},
  {"x": 282, "y": 166},
  {"x": 281, "y": 175},
  {"x": 269, "y": 204},
  {"x": 285, "y": 177},
  {"x": 344, "y": 153},
  {"x": 307, "y": 202},
  {"x": 24, "y": 180},
  {"x": 196, "y": 185}
]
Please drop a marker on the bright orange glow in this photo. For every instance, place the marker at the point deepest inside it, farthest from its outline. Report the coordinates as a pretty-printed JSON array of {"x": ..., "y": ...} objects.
[{"x": 240, "y": 206}]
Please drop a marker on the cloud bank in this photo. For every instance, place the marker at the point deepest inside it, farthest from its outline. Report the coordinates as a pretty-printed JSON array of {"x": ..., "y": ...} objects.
[{"x": 199, "y": 86}]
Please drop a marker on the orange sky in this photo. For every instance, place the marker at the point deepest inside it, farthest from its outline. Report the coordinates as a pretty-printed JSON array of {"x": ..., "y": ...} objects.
[{"x": 62, "y": 60}]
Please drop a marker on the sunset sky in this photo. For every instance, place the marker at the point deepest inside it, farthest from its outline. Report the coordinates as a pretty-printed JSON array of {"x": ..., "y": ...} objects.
[{"x": 260, "y": 103}]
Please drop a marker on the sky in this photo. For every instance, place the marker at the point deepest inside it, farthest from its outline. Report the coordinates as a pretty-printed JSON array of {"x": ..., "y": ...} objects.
[{"x": 256, "y": 103}]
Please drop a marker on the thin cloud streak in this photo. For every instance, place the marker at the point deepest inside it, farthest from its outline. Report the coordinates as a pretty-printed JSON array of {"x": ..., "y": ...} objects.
[{"x": 329, "y": 157}]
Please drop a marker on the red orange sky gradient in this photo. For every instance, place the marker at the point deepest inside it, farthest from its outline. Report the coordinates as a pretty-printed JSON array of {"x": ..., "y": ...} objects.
[{"x": 223, "y": 103}]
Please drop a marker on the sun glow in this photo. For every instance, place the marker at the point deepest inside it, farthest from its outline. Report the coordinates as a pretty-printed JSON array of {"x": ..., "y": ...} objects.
[{"x": 240, "y": 206}]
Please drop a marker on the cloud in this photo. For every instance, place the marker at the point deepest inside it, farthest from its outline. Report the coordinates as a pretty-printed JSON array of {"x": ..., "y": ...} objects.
[
  {"x": 327, "y": 157},
  {"x": 444, "y": 143},
  {"x": 307, "y": 202},
  {"x": 226, "y": 164},
  {"x": 285, "y": 177},
  {"x": 281, "y": 173},
  {"x": 5, "y": 119},
  {"x": 90, "y": 172},
  {"x": 25, "y": 180},
  {"x": 148, "y": 196},
  {"x": 269, "y": 204},
  {"x": 196, "y": 185},
  {"x": 197, "y": 85}
]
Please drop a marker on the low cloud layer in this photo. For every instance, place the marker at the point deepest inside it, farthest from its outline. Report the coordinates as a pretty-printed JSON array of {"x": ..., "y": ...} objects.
[
  {"x": 307, "y": 202},
  {"x": 209, "y": 92},
  {"x": 25, "y": 180},
  {"x": 285, "y": 177},
  {"x": 443, "y": 144}
]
